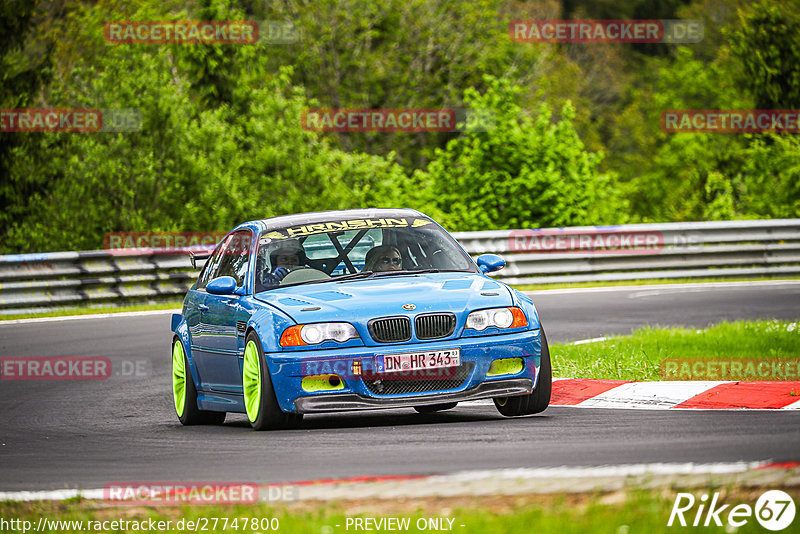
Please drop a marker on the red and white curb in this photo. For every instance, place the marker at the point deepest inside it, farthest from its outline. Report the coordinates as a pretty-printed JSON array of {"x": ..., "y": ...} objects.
[
  {"x": 671, "y": 395},
  {"x": 515, "y": 481},
  {"x": 695, "y": 395}
]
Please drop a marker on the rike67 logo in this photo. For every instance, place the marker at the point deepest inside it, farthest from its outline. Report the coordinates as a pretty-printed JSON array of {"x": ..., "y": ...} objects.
[{"x": 774, "y": 510}]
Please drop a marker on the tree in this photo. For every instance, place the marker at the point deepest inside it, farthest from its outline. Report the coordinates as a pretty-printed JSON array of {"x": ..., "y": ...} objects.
[
  {"x": 402, "y": 54},
  {"x": 767, "y": 42},
  {"x": 525, "y": 172},
  {"x": 22, "y": 73},
  {"x": 194, "y": 164}
]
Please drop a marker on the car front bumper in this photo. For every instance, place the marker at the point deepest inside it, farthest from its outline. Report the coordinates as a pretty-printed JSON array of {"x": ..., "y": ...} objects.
[{"x": 287, "y": 369}]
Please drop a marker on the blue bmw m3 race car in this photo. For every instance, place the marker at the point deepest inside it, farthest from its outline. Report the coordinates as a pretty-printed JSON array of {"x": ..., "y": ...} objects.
[{"x": 352, "y": 310}]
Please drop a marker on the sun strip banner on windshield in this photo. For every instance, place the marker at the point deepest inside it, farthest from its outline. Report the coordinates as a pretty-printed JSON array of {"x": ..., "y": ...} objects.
[{"x": 351, "y": 224}]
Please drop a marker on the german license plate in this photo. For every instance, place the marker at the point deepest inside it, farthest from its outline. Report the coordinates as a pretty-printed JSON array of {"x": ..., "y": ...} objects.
[{"x": 415, "y": 361}]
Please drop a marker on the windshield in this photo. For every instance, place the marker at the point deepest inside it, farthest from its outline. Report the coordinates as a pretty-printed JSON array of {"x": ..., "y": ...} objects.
[{"x": 355, "y": 249}]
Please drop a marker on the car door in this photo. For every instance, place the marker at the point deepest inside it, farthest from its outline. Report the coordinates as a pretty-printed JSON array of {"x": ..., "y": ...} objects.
[
  {"x": 222, "y": 319},
  {"x": 195, "y": 305}
]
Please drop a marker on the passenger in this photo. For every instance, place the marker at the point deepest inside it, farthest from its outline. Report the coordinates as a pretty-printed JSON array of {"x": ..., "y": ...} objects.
[{"x": 383, "y": 258}]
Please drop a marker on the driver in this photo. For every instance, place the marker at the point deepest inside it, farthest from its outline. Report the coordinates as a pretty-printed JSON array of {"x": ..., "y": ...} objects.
[{"x": 289, "y": 255}]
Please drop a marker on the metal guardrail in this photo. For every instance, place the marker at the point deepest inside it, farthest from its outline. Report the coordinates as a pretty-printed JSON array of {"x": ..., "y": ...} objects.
[
  {"x": 40, "y": 282},
  {"x": 681, "y": 250}
]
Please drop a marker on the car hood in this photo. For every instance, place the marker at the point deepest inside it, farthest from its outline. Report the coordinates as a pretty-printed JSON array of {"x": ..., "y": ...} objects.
[{"x": 361, "y": 300}]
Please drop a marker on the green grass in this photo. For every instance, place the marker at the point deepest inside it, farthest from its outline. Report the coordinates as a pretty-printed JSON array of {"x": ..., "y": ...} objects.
[
  {"x": 88, "y": 310},
  {"x": 629, "y": 512},
  {"x": 655, "y": 281},
  {"x": 638, "y": 356}
]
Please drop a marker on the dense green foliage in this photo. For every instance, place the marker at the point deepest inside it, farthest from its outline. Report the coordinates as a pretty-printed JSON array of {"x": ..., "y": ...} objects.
[
  {"x": 524, "y": 172},
  {"x": 576, "y": 137}
]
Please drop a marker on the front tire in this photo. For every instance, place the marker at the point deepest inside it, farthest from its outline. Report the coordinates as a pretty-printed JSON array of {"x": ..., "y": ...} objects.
[
  {"x": 184, "y": 392},
  {"x": 260, "y": 402},
  {"x": 431, "y": 408},
  {"x": 536, "y": 401}
]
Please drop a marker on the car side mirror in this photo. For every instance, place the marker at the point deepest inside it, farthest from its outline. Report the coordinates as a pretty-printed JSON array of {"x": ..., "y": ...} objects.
[
  {"x": 489, "y": 263},
  {"x": 222, "y": 285}
]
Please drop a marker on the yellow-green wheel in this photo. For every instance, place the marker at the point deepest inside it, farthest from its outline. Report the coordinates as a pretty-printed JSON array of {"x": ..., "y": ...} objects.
[
  {"x": 251, "y": 380},
  {"x": 260, "y": 402},
  {"x": 184, "y": 392},
  {"x": 178, "y": 377}
]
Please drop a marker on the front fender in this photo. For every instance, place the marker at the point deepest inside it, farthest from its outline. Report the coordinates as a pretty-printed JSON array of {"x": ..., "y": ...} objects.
[
  {"x": 526, "y": 303},
  {"x": 269, "y": 324}
]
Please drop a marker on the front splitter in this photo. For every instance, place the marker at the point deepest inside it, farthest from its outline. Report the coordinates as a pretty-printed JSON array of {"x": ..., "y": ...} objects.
[{"x": 352, "y": 401}]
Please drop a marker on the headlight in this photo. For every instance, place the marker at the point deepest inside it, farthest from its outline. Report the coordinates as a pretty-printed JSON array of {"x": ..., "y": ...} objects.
[
  {"x": 512, "y": 317},
  {"x": 313, "y": 334}
]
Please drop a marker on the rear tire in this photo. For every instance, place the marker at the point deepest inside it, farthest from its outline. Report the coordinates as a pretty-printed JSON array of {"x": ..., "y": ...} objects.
[
  {"x": 184, "y": 392},
  {"x": 536, "y": 401},
  {"x": 261, "y": 405},
  {"x": 431, "y": 408}
]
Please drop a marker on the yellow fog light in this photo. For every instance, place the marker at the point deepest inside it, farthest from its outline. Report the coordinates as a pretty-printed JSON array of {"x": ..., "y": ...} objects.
[
  {"x": 322, "y": 383},
  {"x": 506, "y": 366}
]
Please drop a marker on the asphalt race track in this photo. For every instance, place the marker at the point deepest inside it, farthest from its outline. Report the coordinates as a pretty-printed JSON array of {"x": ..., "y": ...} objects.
[{"x": 85, "y": 434}]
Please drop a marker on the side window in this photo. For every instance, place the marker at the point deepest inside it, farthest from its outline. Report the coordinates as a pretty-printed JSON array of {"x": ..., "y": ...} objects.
[
  {"x": 235, "y": 256},
  {"x": 210, "y": 268}
]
